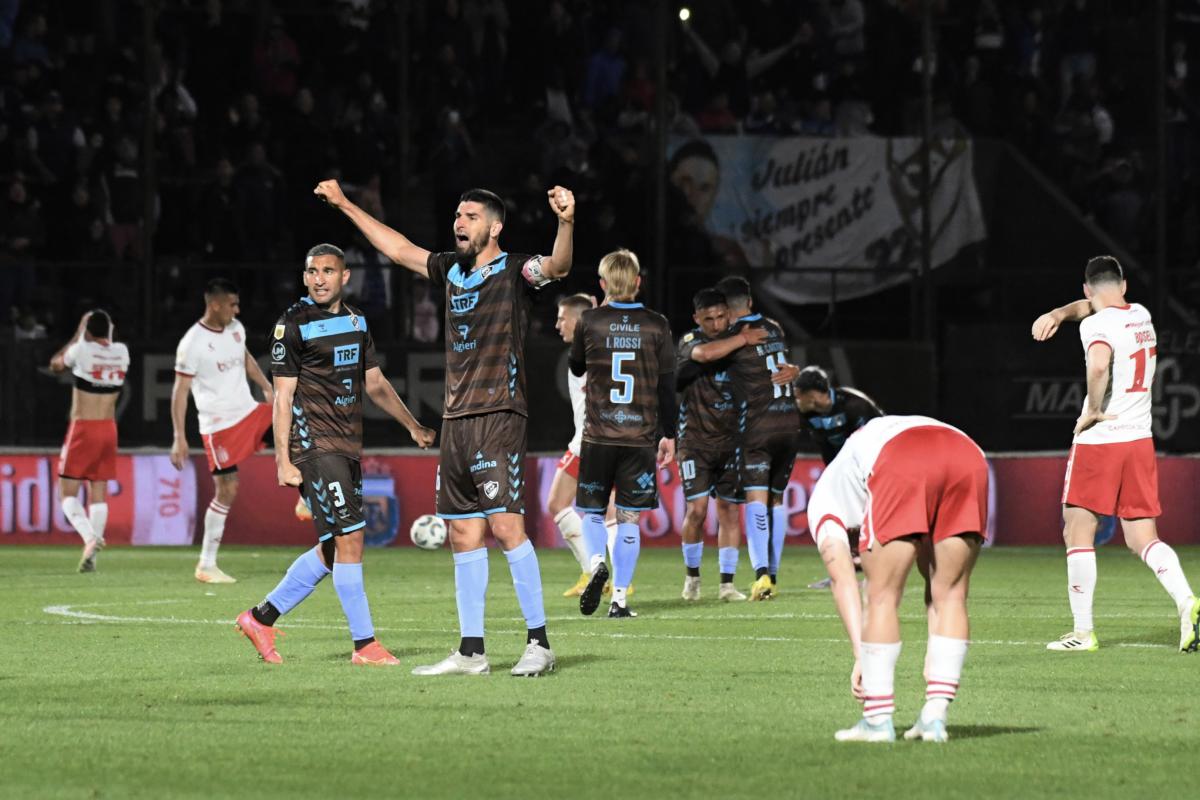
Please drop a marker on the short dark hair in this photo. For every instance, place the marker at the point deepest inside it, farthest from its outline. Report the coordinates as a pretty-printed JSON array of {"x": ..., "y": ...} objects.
[
  {"x": 489, "y": 200},
  {"x": 219, "y": 287},
  {"x": 812, "y": 379},
  {"x": 578, "y": 302},
  {"x": 696, "y": 148},
  {"x": 1103, "y": 269},
  {"x": 99, "y": 323},
  {"x": 324, "y": 250},
  {"x": 707, "y": 298},
  {"x": 735, "y": 288}
]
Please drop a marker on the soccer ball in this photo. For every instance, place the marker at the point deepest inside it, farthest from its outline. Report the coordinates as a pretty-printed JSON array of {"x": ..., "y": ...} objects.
[{"x": 428, "y": 532}]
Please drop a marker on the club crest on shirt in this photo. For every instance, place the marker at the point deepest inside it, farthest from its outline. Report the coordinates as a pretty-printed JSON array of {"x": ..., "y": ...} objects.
[
  {"x": 486, "y": 271},
  {"x": 278, "y": 331},
  {"x": 687, "y": 337},
  {"x": 237, "y": 337},
  {"x": 354, "y": 321},
  {"x": 491, "y": 489}
]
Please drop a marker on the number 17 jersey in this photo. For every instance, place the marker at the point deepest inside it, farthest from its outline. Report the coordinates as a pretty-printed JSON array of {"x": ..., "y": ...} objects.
[
  {"x": 1128, "y": 332},
  {"x": 626, "y": 347}
]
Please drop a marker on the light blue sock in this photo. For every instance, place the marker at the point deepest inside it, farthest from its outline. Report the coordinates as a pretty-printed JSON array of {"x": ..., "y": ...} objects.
[
  {"x": 595, "y": 536},
  {"x": 778, "y": 535},
  {"x": 727, "y": 557},
  {"x": 757, "y": 534},
  {"x": 527, "y": 580},
  {"x": 625, "y": 554},
  {"x": 693, "y": 553},
  {"x": 470, "y": 589},
  {"x": 348, "y": 581},
  {"x": 298, "y": 582}
]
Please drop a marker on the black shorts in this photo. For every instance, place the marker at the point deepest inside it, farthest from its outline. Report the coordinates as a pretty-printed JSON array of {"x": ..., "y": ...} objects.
[
  {"x": 632, "y": 471},
  {"x": 482, "y": 468},
  {"x": 765, "y": 462},
  {"x": 333, "y": 488},
  {"x": 705, "y": 471}
]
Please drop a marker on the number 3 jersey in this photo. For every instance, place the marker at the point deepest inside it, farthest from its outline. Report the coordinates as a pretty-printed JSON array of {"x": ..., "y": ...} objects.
[
  {"x": 764, "y": 409},
  {"x": 626, "y": 347},
  {"x": 329, "y": 355},
  {"x": 1129, "y": 333}
]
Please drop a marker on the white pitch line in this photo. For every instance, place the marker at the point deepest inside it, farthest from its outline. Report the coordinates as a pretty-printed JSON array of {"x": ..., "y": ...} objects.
[{"x": 86, "y": 617}]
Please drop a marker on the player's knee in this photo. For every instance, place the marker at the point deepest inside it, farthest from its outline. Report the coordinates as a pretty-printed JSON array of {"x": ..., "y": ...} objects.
[
  {"x": 627, "y": 517},
  {"x": 557, "y": 505},
  {"x": 227, "y": 492},
  {"x": 696, "y": 513}
]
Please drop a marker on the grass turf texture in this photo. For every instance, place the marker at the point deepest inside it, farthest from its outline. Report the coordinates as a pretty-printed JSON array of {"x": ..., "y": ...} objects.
[{"x": 164, "y": 699}]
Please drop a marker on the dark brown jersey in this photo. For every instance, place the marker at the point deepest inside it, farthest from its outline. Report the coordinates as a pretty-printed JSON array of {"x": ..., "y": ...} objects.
[
  {"x": 487, "y": 317},
  {"x": 769, "y": 410},
  {"x": 626, "y": 347},
  {"x": 329, "y": 355},
  {"x": 707, "y": 419}
]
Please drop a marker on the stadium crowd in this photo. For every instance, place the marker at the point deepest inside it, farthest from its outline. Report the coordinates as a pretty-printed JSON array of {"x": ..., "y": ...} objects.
[{"x": 248, "y": 111}]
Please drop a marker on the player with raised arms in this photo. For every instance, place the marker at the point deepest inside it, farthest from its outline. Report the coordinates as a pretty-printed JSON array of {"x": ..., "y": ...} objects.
[
  {"x": 828, "y": 415},
  {"x": 89, "y": 451},
  {"x": 561, "y": 500},
  {"x": 322, "y": 363},
  {"x": 1112, "y": 467},
  {"x": 481, "y": 485},
  {"x": 625, "y": 350},
  {"x": 705, "y": 448},
  {"x": 904, "y": 481},
  {"x": 768, "y": 431},
  {"x": 213, "y": 363}
]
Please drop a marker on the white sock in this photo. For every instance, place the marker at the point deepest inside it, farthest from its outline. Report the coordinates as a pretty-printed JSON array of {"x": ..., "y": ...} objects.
[
  {"x": 98, "y": 516},
  {"x": 878, "y": 675},
  {"x": 214, "y": 529},
  {"x": 1162, "y": 559},
  {"x": 619, "y": 596},
  {"x": 1081, "y": 585},
  {"x": 73, "y": 511},
  {"x": 944, "y": 661},
  {"x": 611, "y": 527},
  {"x": 571, "y": 527}
]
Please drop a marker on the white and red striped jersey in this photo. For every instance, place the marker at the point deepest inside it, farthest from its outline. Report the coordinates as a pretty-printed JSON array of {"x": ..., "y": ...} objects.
[
  {"x": 215, "y": 360},
  {"x": 840, "y": 497},
  {"x": 100, "y": 363},
  {"x": 1128, "y": 332},
  {"x": 576, "y": 388}
]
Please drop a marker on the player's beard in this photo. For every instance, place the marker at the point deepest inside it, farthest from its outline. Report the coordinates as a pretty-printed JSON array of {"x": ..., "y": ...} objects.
[{"x": 466, "y": 252}]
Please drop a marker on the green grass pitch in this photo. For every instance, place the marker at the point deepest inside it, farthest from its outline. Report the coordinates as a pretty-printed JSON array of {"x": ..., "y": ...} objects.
[{"x": 133, "y": 683}]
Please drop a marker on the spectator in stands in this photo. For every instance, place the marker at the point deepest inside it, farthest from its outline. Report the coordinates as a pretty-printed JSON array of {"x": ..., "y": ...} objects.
[
  {"x": 124, "y": 200},
  {"x": 605, "y": 71}
]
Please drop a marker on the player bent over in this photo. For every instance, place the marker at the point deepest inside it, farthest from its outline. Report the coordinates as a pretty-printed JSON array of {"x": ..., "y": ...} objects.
[
  {"x": 624, "y": 349},
  {"x": 707, "y": 455},
  {"x": 322, "y": 362},
  {"x": 89, "y": 452},
  {"x": 489, "y": 295},
  {"x": 561, "y": 500},
  {"x": 906, "y": 481},
  {"x": 1112, "y": 467},
  {"x": 213, "y": 362}
]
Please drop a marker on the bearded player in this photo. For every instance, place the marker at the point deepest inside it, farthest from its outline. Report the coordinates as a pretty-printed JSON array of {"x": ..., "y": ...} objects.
[
  {"x": 489, "y": 294},
  {"x": 89, "y": 452},
  {"x": 213, "y": 363}
]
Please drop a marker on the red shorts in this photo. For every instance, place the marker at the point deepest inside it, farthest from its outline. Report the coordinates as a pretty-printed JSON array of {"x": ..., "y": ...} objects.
[
  {"x": 89, "y": 452},
  {"x": 233, "y": 445},
  {"x": 929, "y": 480},
  {"x": 569, "y": 463},
  {"x": 1119, "y": 478}
]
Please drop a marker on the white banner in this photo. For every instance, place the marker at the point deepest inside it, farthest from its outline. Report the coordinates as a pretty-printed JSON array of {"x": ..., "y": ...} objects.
[{"x": 803, "y": 202}]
